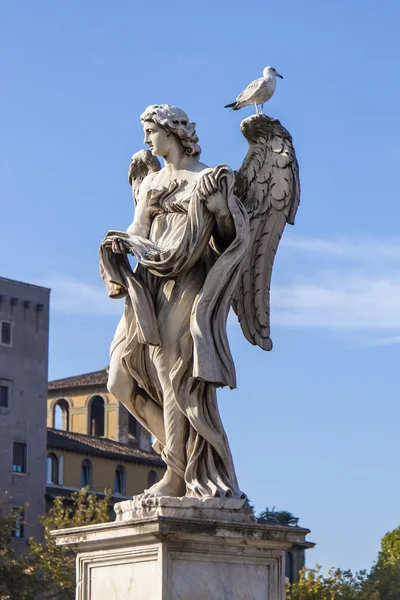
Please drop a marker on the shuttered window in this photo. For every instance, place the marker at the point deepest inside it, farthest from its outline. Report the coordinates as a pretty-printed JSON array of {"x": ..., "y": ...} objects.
[
  {"x": 19, "y": 457},
  {"x": 6, "y": 333},
  {"x": 4, "y": 394}
]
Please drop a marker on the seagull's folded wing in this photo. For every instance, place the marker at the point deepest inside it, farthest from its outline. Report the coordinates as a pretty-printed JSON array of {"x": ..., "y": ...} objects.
[{"x": 251, "y": 90}]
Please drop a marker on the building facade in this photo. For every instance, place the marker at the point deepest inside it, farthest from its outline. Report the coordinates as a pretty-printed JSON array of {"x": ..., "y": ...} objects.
[
  {"x": 82, "y": 404},
  {"x": 24, "y": 333},
  {"x": 94, "y": 442},
  {"x": 296, "y": 560},
  {"x": 75, "y": 460}
]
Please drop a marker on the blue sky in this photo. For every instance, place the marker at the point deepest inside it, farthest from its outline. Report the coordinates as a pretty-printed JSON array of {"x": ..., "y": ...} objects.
[{"x": 314, "y": 424}]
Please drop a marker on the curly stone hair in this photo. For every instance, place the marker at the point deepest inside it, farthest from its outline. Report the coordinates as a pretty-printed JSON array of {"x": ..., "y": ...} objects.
[{"x": 176, "y": 122}]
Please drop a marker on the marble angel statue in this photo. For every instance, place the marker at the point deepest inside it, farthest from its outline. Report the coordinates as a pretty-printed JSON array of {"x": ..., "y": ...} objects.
[{"x": 205, "y": 240}]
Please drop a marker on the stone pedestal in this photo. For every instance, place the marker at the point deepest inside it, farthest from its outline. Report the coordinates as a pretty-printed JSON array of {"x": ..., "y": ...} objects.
[{"x": 181, "y": 549}]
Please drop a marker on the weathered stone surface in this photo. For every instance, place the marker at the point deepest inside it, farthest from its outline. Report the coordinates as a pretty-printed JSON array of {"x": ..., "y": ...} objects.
[
  {"x": 165, "y": 558},
  {"x": 225, "y": 509},
  {"x": 205, "y": 239}
]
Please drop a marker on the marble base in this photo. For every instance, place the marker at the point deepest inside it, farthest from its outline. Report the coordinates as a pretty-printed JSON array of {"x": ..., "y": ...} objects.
[
  {"x": 228, "y": 509},
  {"x": 171, "y": 557}
]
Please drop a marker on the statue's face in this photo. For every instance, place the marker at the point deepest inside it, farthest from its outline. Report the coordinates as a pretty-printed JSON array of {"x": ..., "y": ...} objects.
[{"x": 157, "y": 139}]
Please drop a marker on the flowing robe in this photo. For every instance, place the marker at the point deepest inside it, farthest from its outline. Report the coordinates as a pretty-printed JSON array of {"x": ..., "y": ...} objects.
[{"x": 174, "y": 325}]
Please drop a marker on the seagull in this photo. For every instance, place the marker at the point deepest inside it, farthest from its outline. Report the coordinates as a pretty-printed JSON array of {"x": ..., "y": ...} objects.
[{"x": 258, "y": 91}]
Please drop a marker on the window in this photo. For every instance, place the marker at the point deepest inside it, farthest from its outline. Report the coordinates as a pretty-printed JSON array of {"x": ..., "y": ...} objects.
[
  {"x": 5, "y": 389},
  {"x": 152, "y": 478},
  {"x": 86, "y": 473},
  {"x": 61, "y": 415},
  {"x": 120, "y": 480},
  {"x": 133, "y": 426},
  {"x": 289, "y": 567},
  {"x": 6, "y": 337},
  {"x": 97, "y": 416},
  {"x": 61, "y": 470},
  {"x": 51, "y": 468},
  {"x": 19, "y": 457},
  {"x": 19, "y": 527}
]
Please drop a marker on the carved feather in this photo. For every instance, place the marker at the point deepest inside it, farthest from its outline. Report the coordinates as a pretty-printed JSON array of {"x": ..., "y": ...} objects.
[
  {"x": 268, "y": 185},
  {"x": 142, "y": 163}
]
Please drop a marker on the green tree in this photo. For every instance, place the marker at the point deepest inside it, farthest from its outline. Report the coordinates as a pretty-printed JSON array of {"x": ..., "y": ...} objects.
[
  {"x": 18, "y": 578},
  {"x": 282, "y": 517},
  {"x": 384, "y": 579},
  {"x": 336, "y": 585},
  {"x": 389, "y": 555},
  {"x": 381, "y": 583},
  {"x": 57, "y": 563}
]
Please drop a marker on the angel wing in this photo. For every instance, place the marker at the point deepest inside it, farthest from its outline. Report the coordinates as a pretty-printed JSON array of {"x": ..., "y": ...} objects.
[
  {"x": 268, "y": 185},
  {"x": 142, "y": 163}
]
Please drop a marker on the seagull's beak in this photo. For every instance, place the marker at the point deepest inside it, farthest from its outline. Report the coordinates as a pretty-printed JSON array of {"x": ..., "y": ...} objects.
[{"x": 277, "y": 75}]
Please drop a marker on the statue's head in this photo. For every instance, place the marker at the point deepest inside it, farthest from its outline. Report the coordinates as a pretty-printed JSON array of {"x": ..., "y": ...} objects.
[{"x": 160, "y": 122}]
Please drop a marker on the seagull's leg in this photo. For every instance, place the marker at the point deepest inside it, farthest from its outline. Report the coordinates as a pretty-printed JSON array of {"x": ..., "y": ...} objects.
[
  {"x": 255, "y": 104},
  {"x": 262, "y": 108}
]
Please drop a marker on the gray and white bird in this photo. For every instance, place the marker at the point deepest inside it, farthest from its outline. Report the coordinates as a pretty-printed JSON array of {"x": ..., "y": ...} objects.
[{"x": 258, "y": 91}]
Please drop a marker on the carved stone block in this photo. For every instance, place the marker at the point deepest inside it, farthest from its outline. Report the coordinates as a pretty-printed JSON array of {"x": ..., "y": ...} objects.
[{"x": 172, "y": 558}]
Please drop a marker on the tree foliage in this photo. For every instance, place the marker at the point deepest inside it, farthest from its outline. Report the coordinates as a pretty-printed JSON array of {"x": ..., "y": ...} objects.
[
  {"x": 385, "y": 574},
  {"x": 336, "y": 585},
  {"x": 281, "y": 517},
  {"x": 381, "y": 583},
  {"x": 57, "y": 563},
  {"x": 17, "y": 576},
  {"x": 45, "y": 567}
]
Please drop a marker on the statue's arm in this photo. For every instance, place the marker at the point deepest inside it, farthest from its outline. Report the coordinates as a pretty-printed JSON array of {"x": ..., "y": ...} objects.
[
  {"x": 135, "y": 241},
  {"x": 141, "y": 220},
  {"x": 224, "y": 225}
]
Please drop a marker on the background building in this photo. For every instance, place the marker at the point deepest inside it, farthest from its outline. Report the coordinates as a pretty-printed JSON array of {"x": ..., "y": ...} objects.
[
  {"x": 296, "y": 560},
  {"x": 24, "y": 332},
  {"x": 94, "y": 441}
]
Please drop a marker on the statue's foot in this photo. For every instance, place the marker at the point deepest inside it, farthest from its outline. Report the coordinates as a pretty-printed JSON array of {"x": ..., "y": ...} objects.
[{"x": 170, "y": 485}]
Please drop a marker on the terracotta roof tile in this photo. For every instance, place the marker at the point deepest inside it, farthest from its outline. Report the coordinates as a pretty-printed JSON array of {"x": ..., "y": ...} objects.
[
  {"x": 91, "y": 445},
  {"x": 85, "y": 380}
]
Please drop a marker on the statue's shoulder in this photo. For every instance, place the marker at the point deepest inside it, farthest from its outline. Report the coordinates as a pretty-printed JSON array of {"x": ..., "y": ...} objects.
[
  {"x": 145, "y": 185},
  {"x": 148, "y": 180}
]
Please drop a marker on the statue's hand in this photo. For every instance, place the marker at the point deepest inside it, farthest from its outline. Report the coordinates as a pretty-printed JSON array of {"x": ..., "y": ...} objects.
[
  {"x": 214, "y": 198},
  {"x": 118, "y": 245},
  {"x": 132, "y": 244}
]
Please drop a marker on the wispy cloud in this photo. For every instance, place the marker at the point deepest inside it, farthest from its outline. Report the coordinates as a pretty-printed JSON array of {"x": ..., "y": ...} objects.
[
  {"x": 358, "y": 249},
  {"x": 389, "y": 340},
  {"x": 338, "y": 301},
  {"x": 350, "y": 284},
  {"x": 70, "y": 295}
]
